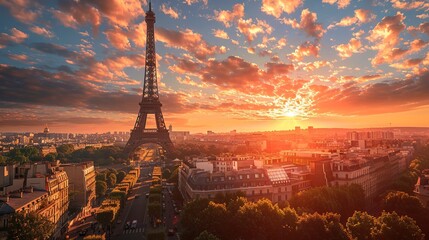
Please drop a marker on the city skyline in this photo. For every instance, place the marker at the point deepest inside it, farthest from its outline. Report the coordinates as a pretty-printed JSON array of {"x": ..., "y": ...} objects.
[{"x": 247, "y": 65}]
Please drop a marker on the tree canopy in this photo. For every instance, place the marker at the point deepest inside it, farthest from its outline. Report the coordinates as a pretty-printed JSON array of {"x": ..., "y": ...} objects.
[{"x": 29, "y": 226}]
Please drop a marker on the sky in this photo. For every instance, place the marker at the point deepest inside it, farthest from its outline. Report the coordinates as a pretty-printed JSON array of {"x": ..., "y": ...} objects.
[{"x": 248, "y": 65}]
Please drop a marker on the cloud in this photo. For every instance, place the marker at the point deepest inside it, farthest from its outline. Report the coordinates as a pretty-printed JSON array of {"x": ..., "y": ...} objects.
[
  {"x": 347, "y": 50},
  {"x": 277, "y": 7},
  {"x": 341, "y": 3},
  {"x": 308, "y": 24},
  {"x": 305, "y": 49},
  {"x": 227, "y": 17},
  {"x": 409, "y": 4},
  {"x": 187, "y": 40},
  {"x": 15, "y": 36},
  {"x": 385, "y": 36},
  {"x": 27, "y": 87},
  {"x": 376, "y": 98},
  {"x": 54, "y": 49},
  {"x": 42, "y": 31},
  {"x": 424, "y": 28},
  {"x": 220, "y": 34},
  {"x": 119, "y": 13},
  {"x": 21, "y": 10},
  {"x": 251, "y": 30},
  {"x": 190, "y": 2},
  {"x": 169, "y": 11},
  {"x": 118, "y": 39},
  {"x": 18, "y": 57},
  {"x": 361, "y": 16}
]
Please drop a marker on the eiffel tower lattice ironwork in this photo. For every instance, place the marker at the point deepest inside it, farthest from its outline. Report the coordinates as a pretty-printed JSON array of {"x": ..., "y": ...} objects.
[{"x": 150, "y": 103}]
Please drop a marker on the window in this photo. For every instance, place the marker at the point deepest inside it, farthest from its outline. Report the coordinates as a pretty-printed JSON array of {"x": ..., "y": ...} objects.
[{"x": 248, "y": 176}]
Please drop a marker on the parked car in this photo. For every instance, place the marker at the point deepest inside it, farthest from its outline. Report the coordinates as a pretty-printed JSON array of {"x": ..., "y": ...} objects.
[
  {"x": 170, "y": 232},
  {"x": 134, "y": 224}
]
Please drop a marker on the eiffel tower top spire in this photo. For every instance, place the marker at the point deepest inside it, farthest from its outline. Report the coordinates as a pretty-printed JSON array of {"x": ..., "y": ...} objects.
[{"x": 150, "y": 86}]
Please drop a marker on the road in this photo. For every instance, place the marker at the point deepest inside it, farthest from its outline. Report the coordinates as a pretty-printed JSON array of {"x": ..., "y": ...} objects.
[
  {"x": 135, "y": 206},
  {"x": 134, "y": 209}
]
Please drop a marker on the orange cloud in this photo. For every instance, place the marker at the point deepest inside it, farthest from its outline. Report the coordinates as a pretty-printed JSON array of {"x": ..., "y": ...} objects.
[
  {"x": 18, "y": 57},
  {"x": 308, "y": 24},
  {"x": 361, "y": 16},
  {"x": 408, "y": 4},
  {"x": 251, "y": 30},
  {"x": 42, "y": 31},
  {"x": 277, "y": 7},
  {"x": 347, "y": 50},
  {"x": 385, "y": 36},
  {"x": 341, "y": 3},
  {"x": 305, "y": 49},
  {"x": 21, "y": 10},
  {"x": 187, "y": 40},
  {"x": 118, "y": 39},
  {"x": 169, "y": 11},
  {"x": 16, "y": 36},
  {"x": 227, "y": 17},
  {"x": 220, "y": 34}
]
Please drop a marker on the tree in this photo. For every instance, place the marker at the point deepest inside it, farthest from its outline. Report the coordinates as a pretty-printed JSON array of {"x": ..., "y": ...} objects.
[
  {"x": 29, "y": 226},
  {"x": 402, "y": 203},
  {"x": 316, "y": 226},
  {"x": 360, "y": 225},
  {"x": 100, "y": 188},
  {"x": 343, "y": 200},
  {"x": 106, "y": 216},
  {"x": 120, "y": 176},
  {"x": 111, "y": 180},
  {"x": 50, "y": 157},
  {"x": 204, "y": 235},
  {"x": 101, "y": 176},
  {"x": 393, "y": 226}
]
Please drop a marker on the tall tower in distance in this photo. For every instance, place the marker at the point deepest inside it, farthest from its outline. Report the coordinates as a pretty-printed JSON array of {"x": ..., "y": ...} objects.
[{"x": 150, "y": 103}]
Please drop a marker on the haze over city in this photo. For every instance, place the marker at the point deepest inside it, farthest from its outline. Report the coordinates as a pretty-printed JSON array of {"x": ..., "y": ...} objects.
[{"x": 78, "y": 66}]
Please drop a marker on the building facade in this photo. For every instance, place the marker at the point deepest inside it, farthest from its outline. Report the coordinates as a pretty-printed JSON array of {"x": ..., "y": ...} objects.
[{"x": 82, "y": 186}]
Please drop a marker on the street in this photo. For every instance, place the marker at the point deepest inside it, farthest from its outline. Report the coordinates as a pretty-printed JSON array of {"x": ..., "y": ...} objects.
[{"x": 135, "y": 207}]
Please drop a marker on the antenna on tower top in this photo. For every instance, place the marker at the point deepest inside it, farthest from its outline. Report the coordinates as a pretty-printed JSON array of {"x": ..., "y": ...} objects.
[{"x": 150, "y": 5}]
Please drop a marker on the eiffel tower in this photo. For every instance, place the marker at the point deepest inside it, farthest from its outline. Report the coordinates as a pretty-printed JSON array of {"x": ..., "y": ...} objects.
[{"x": 150, "y": 103}]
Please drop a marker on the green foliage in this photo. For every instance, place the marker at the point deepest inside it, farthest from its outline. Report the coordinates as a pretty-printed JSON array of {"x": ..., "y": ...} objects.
[
  {"x": 3, "y": 160},
  {"x": 100, "y": 188},
  {"x": 204, "y": 235},
  {"x": 238, "y": 219},
  {"x": 116, "y": 194},
  {"x": 29, "y": 226},
  {"x": 316, "y": 226},
  {"x": 393, "y": 226},
  {"x": 402, "y": 203},
  {"x": 100, "y": 156},
  {"x": 50, "y": 157},
  {"x": 23, "y": 155},
  {"x": 101, "y": 176},
  {"x": 120, "y": 176},
  {"x": 343, "y": 200},
  {"x": 360, "y": 225},
  {"x": 106, "y": 216},
  {"x": 65, "y": 150},
  {"x": 166, "y": 173},
  {"x": 111, "y": 180},
  {"x": 405, "y": 204}
]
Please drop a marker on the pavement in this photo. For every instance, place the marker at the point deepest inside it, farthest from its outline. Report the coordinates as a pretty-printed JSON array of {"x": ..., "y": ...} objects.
[{"x": 135, "y": 209}]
